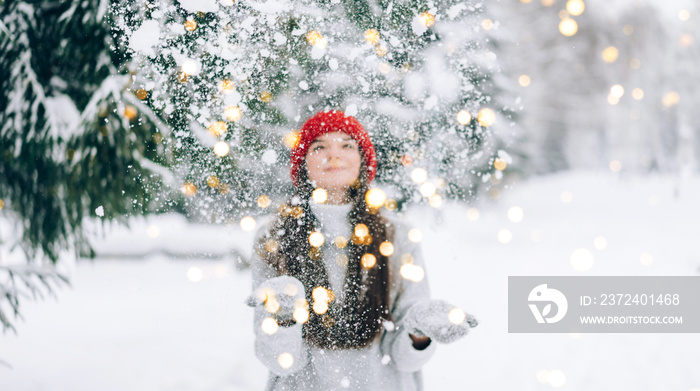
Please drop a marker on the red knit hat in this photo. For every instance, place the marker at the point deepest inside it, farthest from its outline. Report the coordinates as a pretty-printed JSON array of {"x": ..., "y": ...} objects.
[{"x": 332, "y": 121}]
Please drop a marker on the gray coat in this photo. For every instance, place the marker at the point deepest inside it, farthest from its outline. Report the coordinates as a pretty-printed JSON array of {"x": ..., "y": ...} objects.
[{"x": 390, "y": 363}]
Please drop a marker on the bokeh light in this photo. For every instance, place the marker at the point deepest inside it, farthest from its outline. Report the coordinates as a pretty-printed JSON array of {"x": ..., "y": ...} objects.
[
  {"x": 319, "y": 195},
  {"x": 247, "y": 223}
]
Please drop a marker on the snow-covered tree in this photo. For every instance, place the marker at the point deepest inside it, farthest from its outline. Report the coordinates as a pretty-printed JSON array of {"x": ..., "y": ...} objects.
[
  {"x": 234, "y": 79},
  {"x": 75, "y": 141}
]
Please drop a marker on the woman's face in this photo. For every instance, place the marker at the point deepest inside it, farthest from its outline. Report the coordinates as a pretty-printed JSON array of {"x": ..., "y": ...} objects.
[{"x": 333, "y": 161}]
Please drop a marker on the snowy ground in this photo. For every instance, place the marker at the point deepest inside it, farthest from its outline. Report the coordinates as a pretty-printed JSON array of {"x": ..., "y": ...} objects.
[{"x": 141, "y": 323}]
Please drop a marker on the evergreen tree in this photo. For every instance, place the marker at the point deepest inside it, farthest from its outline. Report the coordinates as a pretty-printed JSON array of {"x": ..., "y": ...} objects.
[
  {"x": 234, "y": 79},
  {"x": 74, "y": 140}
]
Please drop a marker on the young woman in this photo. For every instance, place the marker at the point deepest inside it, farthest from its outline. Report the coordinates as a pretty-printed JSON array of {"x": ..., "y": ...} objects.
[{"x": 340, "y": 295}]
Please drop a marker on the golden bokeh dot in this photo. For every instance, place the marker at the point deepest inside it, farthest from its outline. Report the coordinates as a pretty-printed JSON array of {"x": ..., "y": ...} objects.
[
  {"x": 684, "y": 15},
  {"x": 2, "y": 204},
  {"x": 487, "y": 24},
  {"x": 342, "y": 260},
  {"x": 372, "y": 36},
  {"x": 526, "y": 1},
  {"x": 384, "y": 68},
  {"x": 269, "y": 326},
  {"x": 613, "y": 100},
  {"x": 391, "y": 204},
  {"x": 285, "y": 360},
  {"x": 188, "y": 189},
  {"x": 291, "y": 139},
  {"x": 670, "y": 99},
  {"x": 464, "y": 117},
  {"x": 610, "y": 54},
  {"x": 547, "y": 3},
  {"x": 386, "y": 248},
  {"x": 500, "y": 164},
  {"x": 635, "y": 63},
  {"x": 316, "y": 239},
  {"x": 615, "y": 166},
  {"x": 247, "y": 223},
  {"x": 217, "y": 128},
  {"x": 435, "y": 200},
  {"x": 638, "y": 94},
  {"x": 419, "y": 175},
  {"x": 221, "y": 149},
  {"x": 686, "y": 40},
  {"x": 297, "y": 212},
  {"x": 227, "y": 85},
  {"x": 130, "y": 112},
  {"x": 190, "y": 25},
  {"x": 486, "y": 117},
  {"x": 263, "y": 201},
  {"x": 415, "y": 235},
  {"x": 381, "y": 50},
  {"x": 190, "y": 67},
  {"x": 195, "y": 274},
  {"x": 212, "y": 181},
  {"x": 456, "y": 316},
  {"x": 271, "y": 304},
  {"x": 314, "y": 37},
  {"x": 406, "y": 258},
  {"x": 412, "y": 272},
  {"x": 319, "y": 195},
  {"x": 368, "y": 261},
  {"x": 617, "y": 91},
  {"x": 556, "y": 378},
  {"x": 271, "y": 246},
  {"x": 427, "y": 189},
  {"x": 340, "y": 241},
  {"x": 233, "y": 113},
  {"x": 266, "y": 96},
  {"x": 223, "y": 188},
  {"x": 361, "y": 230},
  {"x": 568, "y": 27},
  {"x": 575, "y": 7},
  {"x": 183, "y": 77},
  {"x": 315, "y": 253},
  {"x": 141, "y": 94},
  {"x": 515, "y": 214},
  {"x": 301, "y": 315},
  {"x": 375, "y": 197},
  {"x": 524, "y": 80},
  {"x": 628, "y": 29},
  {"x": 406, "y": 160},
  {"x": 427, "y": 19},
  {"x": 505, "y": 236}
]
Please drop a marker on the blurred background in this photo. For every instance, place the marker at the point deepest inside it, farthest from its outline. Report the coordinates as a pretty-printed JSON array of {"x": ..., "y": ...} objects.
[{"x": 143, "y": 142}]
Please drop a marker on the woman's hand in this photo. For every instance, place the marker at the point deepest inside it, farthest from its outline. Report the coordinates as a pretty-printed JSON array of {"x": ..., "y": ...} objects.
[
  {"x": 280, "y": 296},
  {"x": 438, "y": 320}
]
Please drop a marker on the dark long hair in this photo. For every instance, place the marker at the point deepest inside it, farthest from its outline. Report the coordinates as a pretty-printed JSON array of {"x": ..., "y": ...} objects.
[{"x": 357, "y": 321}]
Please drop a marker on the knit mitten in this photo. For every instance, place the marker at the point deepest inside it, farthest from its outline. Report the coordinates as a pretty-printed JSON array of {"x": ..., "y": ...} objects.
[
  {"x": 438, "y": 320},
  {"x": 280, "y": 296}
]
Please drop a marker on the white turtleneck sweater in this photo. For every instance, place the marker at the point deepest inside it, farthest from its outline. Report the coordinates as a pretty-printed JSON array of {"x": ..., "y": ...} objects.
[{"x": 389, "y": 364}]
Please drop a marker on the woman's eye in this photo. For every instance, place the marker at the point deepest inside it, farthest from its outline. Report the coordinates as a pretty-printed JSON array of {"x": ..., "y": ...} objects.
[
  {"x": 348, "y": 146},
  {"x": 318, "y": 147}
]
